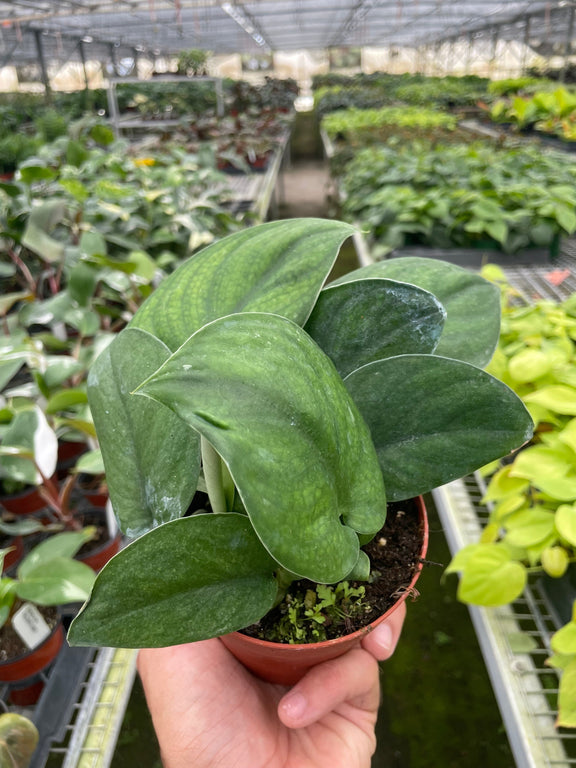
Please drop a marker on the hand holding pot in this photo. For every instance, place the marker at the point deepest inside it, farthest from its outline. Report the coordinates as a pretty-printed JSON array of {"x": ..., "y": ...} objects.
[{"x": 208, "y": 711}]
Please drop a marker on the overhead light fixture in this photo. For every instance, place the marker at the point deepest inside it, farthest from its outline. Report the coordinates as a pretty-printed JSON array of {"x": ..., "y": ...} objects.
[
  {"x": 87, "y": 39},
  {"x": 248, "y": 25}
]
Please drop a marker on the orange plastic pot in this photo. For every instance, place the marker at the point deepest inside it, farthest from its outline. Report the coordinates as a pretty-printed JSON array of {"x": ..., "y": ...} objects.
[
  {"x": 286, "y": 664},
  {"x": 34, "y": 661}
]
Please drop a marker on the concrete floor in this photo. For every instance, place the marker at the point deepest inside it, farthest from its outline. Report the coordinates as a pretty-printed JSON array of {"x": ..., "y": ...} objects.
[{"x": 305, "y": 190}]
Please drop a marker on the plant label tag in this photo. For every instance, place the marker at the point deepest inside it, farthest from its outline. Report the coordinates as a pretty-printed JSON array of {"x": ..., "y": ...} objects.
[{"x": 30, "y": 626}]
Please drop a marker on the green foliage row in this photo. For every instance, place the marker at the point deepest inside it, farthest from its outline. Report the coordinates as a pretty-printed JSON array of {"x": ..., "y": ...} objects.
[
  {"x": 368, "y": 91},
  {"x": 460, "y": 195},
  {"x": 532, "y": 499},
  {"x": 355, "y": 122}
]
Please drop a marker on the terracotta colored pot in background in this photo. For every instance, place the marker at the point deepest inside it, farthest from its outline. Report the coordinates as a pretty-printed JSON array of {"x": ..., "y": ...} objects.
[
  {"x": 285, "y": 664},
  {"x": 34, "y": 661},
  {"x": 24, "y": 503},
  {"x": 98, "y": 556}
]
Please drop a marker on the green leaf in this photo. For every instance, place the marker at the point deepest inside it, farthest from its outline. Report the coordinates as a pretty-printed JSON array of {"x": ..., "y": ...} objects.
[
  {"x": 60, "y": 545},
  {"x": 565, "y": 521},
  {"x": 82, "y": 283},
  {"x": 29, "y": 433},
  {"x": 549, "y": 469},
  {"x": 567, "y": 697},
  {"x": 557, "y": 398},
  {"x": 529, "y": 365},
  {"x": 502, "y": 486},
  {"x": 491, "y": 577},
  {"x": 43, "y": 219},
  {"x": 90, "y": 463},
  {"x": 472, "y": 304},
  {"x": 65, "y": 399},
  {"x": 59, "y": 581},
  {"x": 220, "y": 579},
  {"x": 433, "y": 419},
  {"x": 529, "y": 527},
  {"x": 59, "y": 368},
  {"x": 564, "y": 641},
  {"x": 152, "y": 458},
  {"x": 275, "y": 267},
  {"x": 365, "y": 320},
  {"x": 31, "y": 173},
  {"x": 270, "y": 402}
]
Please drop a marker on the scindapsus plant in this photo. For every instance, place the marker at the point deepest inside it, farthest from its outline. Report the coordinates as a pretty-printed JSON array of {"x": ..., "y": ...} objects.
[{"x": 301, "y": 409}]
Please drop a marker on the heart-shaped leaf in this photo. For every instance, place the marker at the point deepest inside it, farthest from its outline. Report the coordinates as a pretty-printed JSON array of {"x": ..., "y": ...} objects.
[
  {"x": 365, "y": 320},
  {"x": 273, "y": 406},
  {"x": 434, "y": 419},
  {"x": 472, "y": 304},
  {"x": 152, "y": 458},
  {"x": 275, "y": 267},
  {"x": 489, "y": 575},
  {"x": 188, "y": 580}
]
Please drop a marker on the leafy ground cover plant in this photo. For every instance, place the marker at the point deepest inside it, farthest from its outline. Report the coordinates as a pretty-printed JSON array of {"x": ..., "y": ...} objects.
[
  {"x": 299, "y": 409},
  {"x": 532, "y": 498},
  {"x": 457, "y": 195}
]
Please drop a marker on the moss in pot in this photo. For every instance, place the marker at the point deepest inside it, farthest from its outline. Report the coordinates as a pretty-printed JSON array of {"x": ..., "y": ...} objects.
[{"x": 300, "y": 409}]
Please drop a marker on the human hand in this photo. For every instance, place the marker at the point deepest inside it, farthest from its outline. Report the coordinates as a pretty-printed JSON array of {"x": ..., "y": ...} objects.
[{"x": 210, "y": 712}]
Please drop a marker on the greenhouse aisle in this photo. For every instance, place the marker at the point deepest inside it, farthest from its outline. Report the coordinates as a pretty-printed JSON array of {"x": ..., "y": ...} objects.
[{"x": 305, "y": 188}]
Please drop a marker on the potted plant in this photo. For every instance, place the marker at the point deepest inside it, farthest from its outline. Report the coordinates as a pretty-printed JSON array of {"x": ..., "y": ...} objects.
[
  {"x": 531, "y": 532},
  {"x": 31, "y": 631},
  {"x": 301, "y": 410}
]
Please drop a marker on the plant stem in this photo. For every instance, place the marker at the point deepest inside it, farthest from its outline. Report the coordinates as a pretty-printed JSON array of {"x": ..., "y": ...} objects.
[{"x": 212, "y": 465}]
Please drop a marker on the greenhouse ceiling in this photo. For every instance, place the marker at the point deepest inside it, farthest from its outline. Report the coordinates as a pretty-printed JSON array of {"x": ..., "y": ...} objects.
[{"x": 103, "y": 29}]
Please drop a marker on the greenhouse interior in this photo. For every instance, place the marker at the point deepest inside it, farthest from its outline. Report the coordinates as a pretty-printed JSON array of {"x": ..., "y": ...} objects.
[{"x": 309, "y": 201}]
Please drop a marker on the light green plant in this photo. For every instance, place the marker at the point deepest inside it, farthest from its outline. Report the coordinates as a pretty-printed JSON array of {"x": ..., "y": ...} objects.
[
  {"x": 48, "y": 575},
  {"x": 305, "y": 407},
  {"x": 18, "y": 740},
  {"x": 532, "y": 498}
]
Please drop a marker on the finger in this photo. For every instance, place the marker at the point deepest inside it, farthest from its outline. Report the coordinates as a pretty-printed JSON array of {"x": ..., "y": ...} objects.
[
  {"x": 351, "y": 678},
  {"x": 382, "y": 641}
]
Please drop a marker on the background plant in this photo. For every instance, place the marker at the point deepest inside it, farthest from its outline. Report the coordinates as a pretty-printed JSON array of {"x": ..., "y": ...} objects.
[
  {"x": 456, "y": 195},
  {"x": 532, "y": 498}
]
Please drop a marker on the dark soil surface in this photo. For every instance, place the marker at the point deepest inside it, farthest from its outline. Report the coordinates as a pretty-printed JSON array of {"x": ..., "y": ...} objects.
[
  {"x": 11, "y": 646},
  {"x": 394, "y": 555}
]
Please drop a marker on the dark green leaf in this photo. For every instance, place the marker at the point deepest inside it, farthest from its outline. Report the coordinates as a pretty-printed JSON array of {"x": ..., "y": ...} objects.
[
  {"x": 188, "y": 580},
  {"x": 472, "y": 304},
  {"x": 360, "y": 321},
  {"x": 152, "y": 458},
  {"x": 434, "y": 420},
  {"x": 275, "y": 267},
  {"x": 273, "y": 406}
]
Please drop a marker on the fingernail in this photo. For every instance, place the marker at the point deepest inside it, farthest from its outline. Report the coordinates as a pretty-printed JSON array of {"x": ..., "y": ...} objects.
[
  {"x": 294, "y": 705},
  {"x": 384, "y": 637}
]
